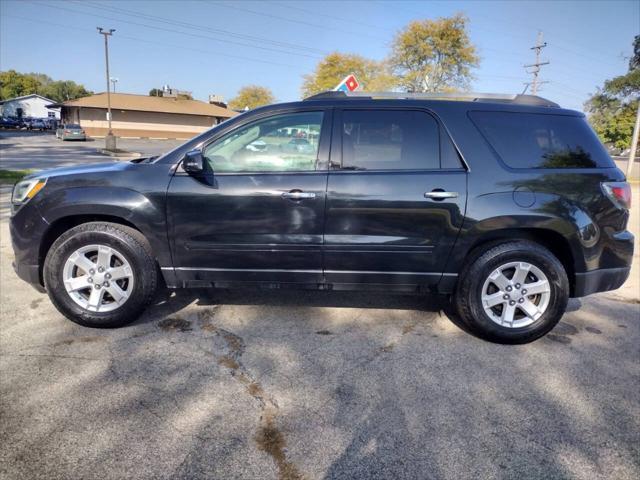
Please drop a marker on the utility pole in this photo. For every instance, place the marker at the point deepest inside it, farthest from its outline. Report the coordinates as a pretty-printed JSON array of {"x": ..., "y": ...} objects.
[
  {"x": 634, "y": 144},
  {"x": 535, "y": 83},
  {"x": 110, "y": 139}
]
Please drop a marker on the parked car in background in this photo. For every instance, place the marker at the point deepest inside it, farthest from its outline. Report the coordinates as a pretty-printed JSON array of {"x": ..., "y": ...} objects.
[
  {"x": 24, "y": 122},
  {"x": 52, "y": 123},
  {"x": 508, "y": 204},
  {"x": 8, "y": 123},
  {"x": 38, "y": 124},
  {"x": 71, "y": 131},
  {"x": 300, "y": 145}
]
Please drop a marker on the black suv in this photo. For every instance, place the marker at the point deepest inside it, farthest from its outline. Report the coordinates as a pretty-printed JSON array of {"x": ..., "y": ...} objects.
[{"x": 509, "y": 204}]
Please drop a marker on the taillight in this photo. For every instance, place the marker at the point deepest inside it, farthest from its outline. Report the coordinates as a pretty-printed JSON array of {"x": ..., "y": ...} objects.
[{"x": 619, "y": 193}]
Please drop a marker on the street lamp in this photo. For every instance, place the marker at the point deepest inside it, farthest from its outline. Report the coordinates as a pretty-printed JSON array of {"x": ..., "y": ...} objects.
[
  {"x": 114, "y": 80},
  {"x": 110, "y": 139}
]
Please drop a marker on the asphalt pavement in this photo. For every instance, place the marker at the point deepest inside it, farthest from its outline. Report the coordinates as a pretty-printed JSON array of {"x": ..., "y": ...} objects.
[
  {"x": 282, "y": 385},
  {"x": 20, "y": 150}
]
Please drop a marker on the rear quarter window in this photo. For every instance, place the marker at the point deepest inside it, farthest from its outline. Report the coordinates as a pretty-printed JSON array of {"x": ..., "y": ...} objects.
[{"x": 536, "y": 140}]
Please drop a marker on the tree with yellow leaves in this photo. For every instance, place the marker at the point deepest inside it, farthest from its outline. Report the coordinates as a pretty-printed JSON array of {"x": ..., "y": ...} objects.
[
  {"x": 434, "y": 55},
  {"x": 251, "y": 96},
  {"x": 373, "y": 76}
]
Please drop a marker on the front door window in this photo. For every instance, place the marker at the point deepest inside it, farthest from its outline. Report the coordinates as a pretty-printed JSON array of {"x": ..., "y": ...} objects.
[{"x": 284, "y": 143}]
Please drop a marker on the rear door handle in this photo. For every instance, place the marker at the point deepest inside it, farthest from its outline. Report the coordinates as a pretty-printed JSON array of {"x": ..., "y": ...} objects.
[
  {"x": 440, "y": 195},
  {"x": 298, "y": 195}
]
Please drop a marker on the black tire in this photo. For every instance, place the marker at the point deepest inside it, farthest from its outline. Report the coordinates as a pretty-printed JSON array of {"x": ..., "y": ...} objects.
[
  {"x": 468, "y": 303},
  {"x": 130, "y": 243}
]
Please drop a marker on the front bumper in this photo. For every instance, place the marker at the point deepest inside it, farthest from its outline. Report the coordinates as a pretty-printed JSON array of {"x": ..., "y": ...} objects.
[
  {"x": 30, "y": 274},
  {"x": 601, "y": 280},
  {"x": 27, "y": 228}
]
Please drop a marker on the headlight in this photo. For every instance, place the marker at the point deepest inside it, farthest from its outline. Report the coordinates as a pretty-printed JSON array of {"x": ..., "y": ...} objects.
[{"x": 27, "y": 189}]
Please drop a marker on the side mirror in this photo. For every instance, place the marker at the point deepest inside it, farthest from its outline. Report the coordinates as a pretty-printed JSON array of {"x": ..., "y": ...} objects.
[{"x": 193, "y": 162}]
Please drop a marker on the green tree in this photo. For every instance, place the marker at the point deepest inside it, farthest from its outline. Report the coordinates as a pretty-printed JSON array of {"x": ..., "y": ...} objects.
[
  {"x": 434, "y": 55},
  {"x": 63, "y": 90},
  {"x": 612, "y": 109},
  {"x": 333, "y": 68},
  {"x": 16, "y": 84},
  {"x": 251, "y": 96},
  {"x": 155, "y": 92}
]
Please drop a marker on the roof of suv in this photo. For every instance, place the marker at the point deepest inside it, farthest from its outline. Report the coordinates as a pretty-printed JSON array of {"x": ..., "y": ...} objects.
[{"x": 513, "y": 99}]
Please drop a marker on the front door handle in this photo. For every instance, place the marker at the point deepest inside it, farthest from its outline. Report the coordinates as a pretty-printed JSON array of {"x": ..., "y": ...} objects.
[
  {"x": 440, "y": 195},
  {"x": 298, "y": 195}
]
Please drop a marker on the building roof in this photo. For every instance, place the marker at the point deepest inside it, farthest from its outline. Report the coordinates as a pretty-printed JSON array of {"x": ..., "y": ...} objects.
[
  {"x": 24, "y": 97},
  {"x": 145, "y": 103}
]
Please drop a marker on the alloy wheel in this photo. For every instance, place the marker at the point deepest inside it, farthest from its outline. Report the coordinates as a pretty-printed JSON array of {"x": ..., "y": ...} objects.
[
  {"x": 516, "y": 294},
  {"x": 98, "y": 278}
]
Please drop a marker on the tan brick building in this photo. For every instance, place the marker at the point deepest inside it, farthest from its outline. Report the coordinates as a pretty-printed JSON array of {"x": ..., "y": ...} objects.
[{"x": 143, "y": 116}]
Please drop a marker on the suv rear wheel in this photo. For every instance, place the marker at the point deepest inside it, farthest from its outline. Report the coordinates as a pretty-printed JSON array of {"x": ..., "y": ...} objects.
[
  {"x": 514, "y": 292},
  {"x": 100, "y": 274}
]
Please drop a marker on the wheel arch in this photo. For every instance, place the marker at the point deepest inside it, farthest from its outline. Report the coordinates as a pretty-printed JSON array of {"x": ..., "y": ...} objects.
[
  {"x": 61, "y": 225},
  {"x": 552, "y": 240}
]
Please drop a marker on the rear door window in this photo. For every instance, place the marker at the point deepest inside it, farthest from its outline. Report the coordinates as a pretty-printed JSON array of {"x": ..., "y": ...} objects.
[
  {"x": 389, "y": 140},
  {"x": 530, "y": 140}
]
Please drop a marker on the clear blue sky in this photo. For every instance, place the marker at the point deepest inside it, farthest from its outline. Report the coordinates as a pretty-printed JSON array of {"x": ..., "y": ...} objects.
[{"x": 218, "y": 46}]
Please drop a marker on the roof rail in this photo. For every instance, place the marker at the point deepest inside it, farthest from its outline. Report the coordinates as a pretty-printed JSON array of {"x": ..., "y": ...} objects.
[{"x": 465, "y": 96}]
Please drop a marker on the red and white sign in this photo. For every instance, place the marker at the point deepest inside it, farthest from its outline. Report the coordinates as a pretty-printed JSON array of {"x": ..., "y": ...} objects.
[{"x": 348, "y": 84}]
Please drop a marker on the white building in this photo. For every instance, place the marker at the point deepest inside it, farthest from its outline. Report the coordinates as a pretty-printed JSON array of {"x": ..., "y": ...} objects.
[{"x": 33, "y": 105}]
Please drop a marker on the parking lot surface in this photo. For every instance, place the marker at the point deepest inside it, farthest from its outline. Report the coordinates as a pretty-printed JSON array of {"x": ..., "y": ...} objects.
[
  {"x": 283, "y": 385},
  {"x": 20, "y": 150}
]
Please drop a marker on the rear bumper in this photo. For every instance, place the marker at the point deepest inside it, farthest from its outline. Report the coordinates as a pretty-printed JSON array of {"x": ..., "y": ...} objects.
[{"x": 601, "y": 280}]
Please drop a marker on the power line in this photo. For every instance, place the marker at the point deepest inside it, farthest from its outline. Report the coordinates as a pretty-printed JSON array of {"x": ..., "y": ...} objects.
[
  {"x": 535, "y": 83},
  {"x": 300, "y": 22},
  {"x": 350, "y": 21},
  {"x": 177, "y": 31},
  {"x": 153, "y": 42},
  {"x": 508, "y": 21},
  {"x": 205, "y": 28}
]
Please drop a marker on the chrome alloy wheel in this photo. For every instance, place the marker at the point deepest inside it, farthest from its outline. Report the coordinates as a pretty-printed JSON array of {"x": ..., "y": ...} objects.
[
  {"x": 516, "y": 294},
  {"x": 98, "y": 278}
]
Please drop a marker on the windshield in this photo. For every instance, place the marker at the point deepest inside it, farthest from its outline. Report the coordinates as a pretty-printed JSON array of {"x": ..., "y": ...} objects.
[{"x": 72, "y": 127}]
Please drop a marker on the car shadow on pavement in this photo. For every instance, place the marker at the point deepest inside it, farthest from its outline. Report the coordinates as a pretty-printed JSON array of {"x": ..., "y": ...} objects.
[
  {"x": 288, "y": 384},
  {"x": 170, "y": 301}
]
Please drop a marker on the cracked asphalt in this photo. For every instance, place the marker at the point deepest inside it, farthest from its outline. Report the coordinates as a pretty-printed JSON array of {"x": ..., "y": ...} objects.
[{"x": 286, "y": 384}]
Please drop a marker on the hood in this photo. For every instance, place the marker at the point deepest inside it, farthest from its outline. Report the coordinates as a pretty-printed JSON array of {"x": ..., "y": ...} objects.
[{"x": 81, "y": 170}]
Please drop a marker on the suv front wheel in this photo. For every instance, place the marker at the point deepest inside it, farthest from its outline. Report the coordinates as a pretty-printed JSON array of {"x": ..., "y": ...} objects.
[
  {"x": 513, "y": 292},
  {"x": 100, "y": 274}
]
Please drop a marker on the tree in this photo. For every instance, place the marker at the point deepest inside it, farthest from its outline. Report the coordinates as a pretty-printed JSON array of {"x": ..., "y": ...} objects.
[
  {"x": 612, "y": 109},
  {"x": 251, "y": 96},
  {"x": 16, "y": 84},
  {"x": 155, "y": 92},
  {"x": 634, "y": 61},
  {"x": 434, "y": 55},
  {"x": 63, "y": 90},
  {"x": 333, "y": 68}
]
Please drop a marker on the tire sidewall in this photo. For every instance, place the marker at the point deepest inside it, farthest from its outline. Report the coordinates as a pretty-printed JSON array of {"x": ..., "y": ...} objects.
[
  {"x": 559, "y": 288},
  {"x": 54, "y": 281}
]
